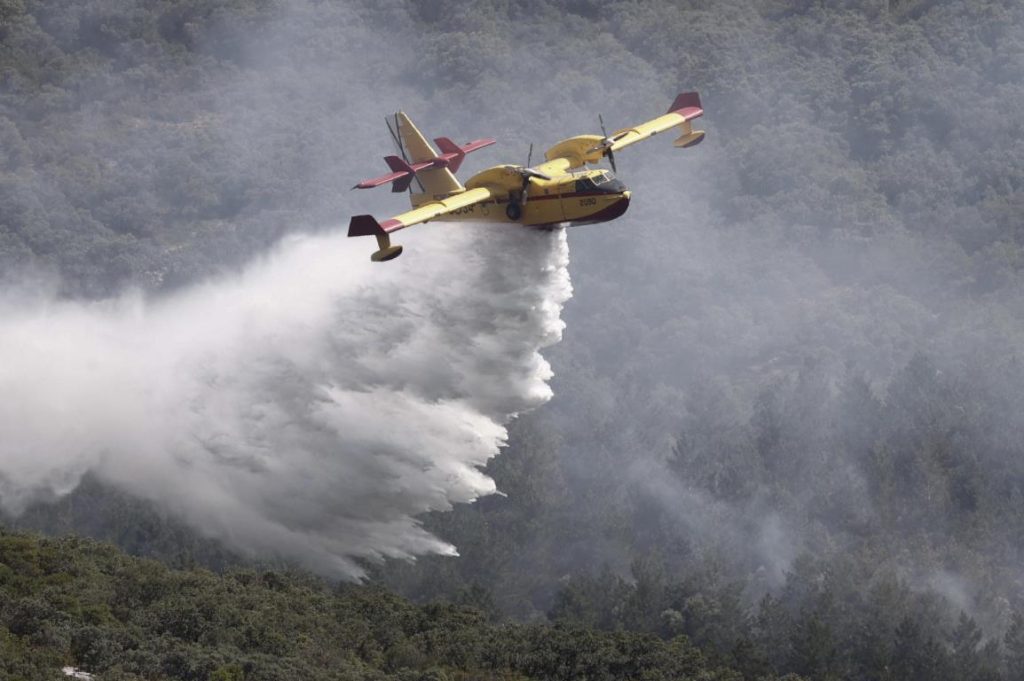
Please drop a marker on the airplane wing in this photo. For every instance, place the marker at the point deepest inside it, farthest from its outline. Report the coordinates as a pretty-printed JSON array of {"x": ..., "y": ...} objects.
[
  {"x": 684, "y": 109},
  {"x": 585, "y": 149},
  {"x": 367, "y": 225}
]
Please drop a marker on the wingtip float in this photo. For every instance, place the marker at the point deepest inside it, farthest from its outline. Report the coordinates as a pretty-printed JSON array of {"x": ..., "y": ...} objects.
[{"x": 561, "y": 191}]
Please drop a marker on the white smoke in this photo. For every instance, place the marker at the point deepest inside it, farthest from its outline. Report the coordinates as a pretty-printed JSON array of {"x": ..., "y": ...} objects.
[{"x": 308, "y": 408}]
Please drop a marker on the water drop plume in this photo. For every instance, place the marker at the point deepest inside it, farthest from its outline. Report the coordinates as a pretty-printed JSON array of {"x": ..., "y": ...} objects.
[{"x": 309, "y": 407}]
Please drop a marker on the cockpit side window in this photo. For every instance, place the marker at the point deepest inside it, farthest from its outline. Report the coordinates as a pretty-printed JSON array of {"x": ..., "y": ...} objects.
[{"x": 585, "y": 185}]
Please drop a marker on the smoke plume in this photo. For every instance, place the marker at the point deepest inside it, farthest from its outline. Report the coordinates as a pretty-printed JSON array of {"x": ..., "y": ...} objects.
[{"x": 308, "y": 408}]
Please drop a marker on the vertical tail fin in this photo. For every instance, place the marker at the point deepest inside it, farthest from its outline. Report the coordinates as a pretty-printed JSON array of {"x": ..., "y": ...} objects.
[{"x": 435, "y": 181}]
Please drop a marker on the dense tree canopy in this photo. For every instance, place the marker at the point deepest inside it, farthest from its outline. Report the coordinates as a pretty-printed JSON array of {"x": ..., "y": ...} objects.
[{"x": 78, "y": 603}]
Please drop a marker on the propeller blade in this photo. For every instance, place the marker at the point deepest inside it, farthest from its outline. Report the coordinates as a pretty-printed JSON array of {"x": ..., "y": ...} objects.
[
  {"x": 529, "y": 156},
  {"x": 528, "y": 172},
  {"x": 401, "y": 150},
  {"x": 394, "y": 138},
  {"x": 607, "y": 144}
]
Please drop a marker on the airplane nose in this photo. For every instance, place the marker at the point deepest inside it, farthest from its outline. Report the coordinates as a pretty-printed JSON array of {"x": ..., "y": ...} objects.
[{"x": 612, "y": 210}]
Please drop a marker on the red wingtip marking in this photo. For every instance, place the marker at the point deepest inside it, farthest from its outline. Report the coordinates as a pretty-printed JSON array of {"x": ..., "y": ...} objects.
[
  {"x": 478, "y": 144},
  {"x": 378, "y": 181},
  {"x": 690, "y": 113},
  {"x": 363, "y": 225},
  {"x": 367, "y": 225},
  {"x": 687, "y": 101}
]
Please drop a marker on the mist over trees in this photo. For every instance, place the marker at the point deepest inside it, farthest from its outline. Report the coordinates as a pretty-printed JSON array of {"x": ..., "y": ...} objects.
[{"x": 787, "y": 419}]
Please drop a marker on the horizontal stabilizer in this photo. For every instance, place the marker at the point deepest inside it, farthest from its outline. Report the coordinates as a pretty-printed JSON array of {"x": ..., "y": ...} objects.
[
  {"x": 405, "y": 173},
  {"x": 454, "y": 154},
  {"x": 400, "y": 173},
  {"x": 451, "y": 158}
]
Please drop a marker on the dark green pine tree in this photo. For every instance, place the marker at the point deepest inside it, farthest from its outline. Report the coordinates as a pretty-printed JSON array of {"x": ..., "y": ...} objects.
[
  {"x": 965, "y": 641},
  {"x": 1014, "y": 643},
  {"x": 872, "y": 653},
  {"x": 990, "y": 662},
  {"x": 771, "y": 632},
  {"x": 916, "y": 658},
  {"x": 814, "y": 648}
]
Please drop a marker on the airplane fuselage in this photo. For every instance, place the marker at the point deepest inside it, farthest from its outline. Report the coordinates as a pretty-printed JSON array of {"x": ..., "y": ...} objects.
[{"x": 574, "y": 198}]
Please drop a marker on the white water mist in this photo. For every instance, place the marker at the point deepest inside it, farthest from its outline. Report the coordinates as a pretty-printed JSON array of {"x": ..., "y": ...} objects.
[{"x": 308, "y": 408}]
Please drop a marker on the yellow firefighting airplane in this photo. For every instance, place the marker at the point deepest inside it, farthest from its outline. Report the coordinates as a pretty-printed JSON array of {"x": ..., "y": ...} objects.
[{"x": 561, "y": 191}]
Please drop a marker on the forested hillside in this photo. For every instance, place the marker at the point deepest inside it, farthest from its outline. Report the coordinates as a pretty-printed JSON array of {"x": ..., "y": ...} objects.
[
  {"x": 77, "y": 603},
  {"x": 786, "y": 420}
]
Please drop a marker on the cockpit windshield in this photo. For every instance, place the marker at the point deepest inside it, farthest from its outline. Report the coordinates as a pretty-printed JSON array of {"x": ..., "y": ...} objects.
[{"x": 603, "y": 183}]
